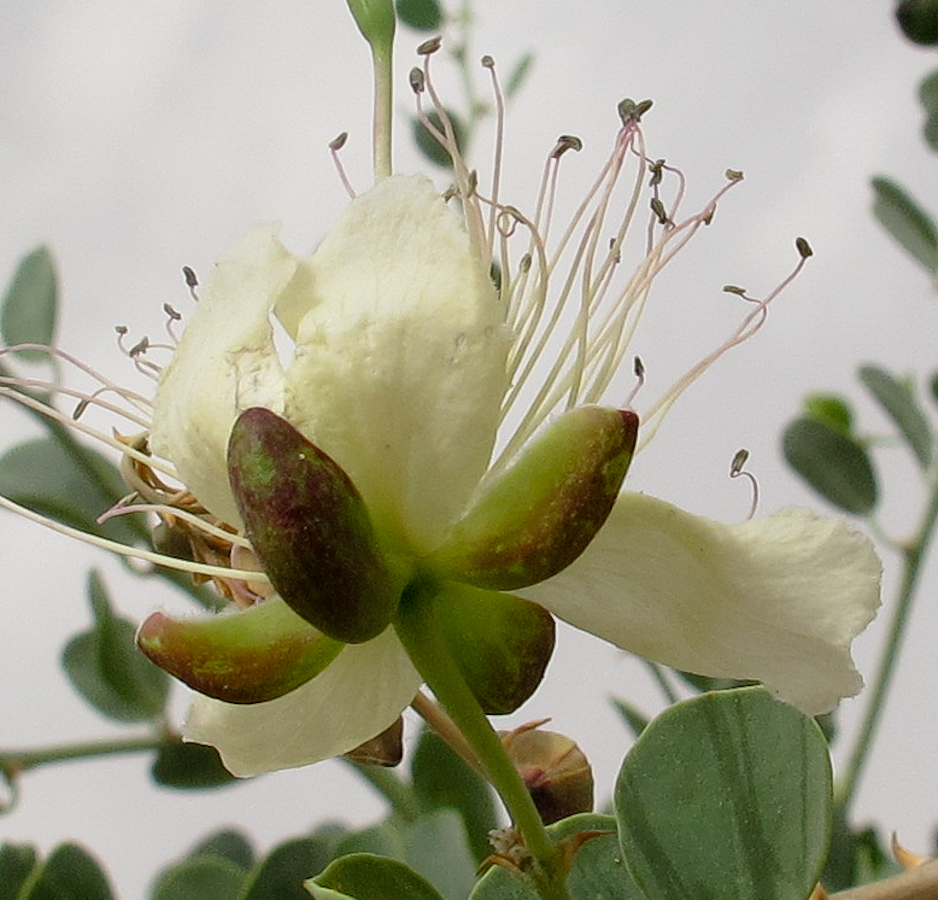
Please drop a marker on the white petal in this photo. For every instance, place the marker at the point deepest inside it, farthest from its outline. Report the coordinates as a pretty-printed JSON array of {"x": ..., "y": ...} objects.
[
  {"x": 400, "y": 358},
  {"x": 777, "y": 600},
  {"x": 356, "y": 697},
  {"x": 226, "y": 361}
]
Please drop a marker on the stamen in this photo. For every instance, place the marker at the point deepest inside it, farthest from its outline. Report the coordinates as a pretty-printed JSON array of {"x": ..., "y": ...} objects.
[
  {"x": 164, "y": 510},
  {"x": 172, "y": 317},
  {"x": 489, "y": 63},
  {"x": 157, "y": 559},
  {"x": 736, "y": 470},
  {"x": 192, "y": 282},
  {"x": 638, "y": 368},
  {"x": 335, "y": 145}
]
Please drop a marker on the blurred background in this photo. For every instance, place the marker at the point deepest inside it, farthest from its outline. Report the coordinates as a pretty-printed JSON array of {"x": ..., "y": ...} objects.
[{"x": 138, "y": 138}]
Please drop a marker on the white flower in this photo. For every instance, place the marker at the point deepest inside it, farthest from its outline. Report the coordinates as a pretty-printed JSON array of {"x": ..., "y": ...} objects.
[{"x": 399, "y": 372}]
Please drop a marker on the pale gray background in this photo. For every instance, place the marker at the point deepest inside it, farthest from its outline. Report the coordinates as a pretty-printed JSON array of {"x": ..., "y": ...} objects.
[{"x": 139, "y": 137}]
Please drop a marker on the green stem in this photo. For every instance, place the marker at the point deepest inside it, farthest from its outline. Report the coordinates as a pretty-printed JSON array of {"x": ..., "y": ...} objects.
[
  {"x": 381, "y": 54},
  {"x": 913, "y": 557},
  {"x": 429, "y": 652},
  {"x": 13, "y": 762}
]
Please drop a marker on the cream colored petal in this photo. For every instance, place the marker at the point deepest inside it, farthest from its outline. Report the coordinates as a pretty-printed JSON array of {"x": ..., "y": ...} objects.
[
  {"x": 356, "y": 697},
  {"x": 399, "y": 368},
  {"x": 777, "y": 600},
  {"x": 226, "y": 361}
]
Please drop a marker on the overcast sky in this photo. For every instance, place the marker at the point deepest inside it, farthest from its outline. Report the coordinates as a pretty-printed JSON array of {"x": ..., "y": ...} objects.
[{"x": 136, "y": 138}]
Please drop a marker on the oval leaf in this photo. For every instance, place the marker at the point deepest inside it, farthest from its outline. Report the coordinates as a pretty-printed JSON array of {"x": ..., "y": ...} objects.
[
  {"x": 726, "y": 795},
  {"x": 17, "y": 864},
  {"x": 835, "y": 465},
  {"x": 918, "y": 20},
  {"x": 899, "y": 402},
  {"x": 30, "y": 305},
  {"x": 68, "y": 874},
  {"x": 362, "y": 876},
  {"x": 421, "y": 15},
  {"x": 281, "y": 875},
  {"x": 202, "y": 877},
  {"x": 189, "y": 766},
  {"x": 106, "y": 668},
  {"x": 906, "y": 221}
]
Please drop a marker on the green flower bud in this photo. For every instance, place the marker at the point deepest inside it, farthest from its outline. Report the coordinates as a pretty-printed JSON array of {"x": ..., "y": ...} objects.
[
  {"x": 310, "y": 529},
  {"x": 540, "y": 515},
  {"x": 376, "y": 21},
  {"x": 501, "y": 643},
  {"x": 259, "y": 654}
]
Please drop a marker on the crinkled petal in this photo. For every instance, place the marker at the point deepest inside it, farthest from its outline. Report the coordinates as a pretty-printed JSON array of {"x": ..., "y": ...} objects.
[
  {"x": 777, "y": 600},
  {"x": 399, "y": 368},
  {"x": 226, "y": 362},
  {"x": 356, "y": 697}
]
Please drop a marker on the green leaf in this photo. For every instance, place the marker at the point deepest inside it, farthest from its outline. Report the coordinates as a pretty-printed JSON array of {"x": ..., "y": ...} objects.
[
  {"x": 366, "y": 877},
  {"x": 928, "y": 94},
  {"x": 30, "y": 304},
  {"x": 633, "y": 718},
  {"x": 906, "y": 221},
  {"x": 830, "y": 410},
  {"x": 190, "y": 766},
  {"x": 227, "y": 844},
  {"x": 598, "y": 872},
  {"x": 44, "y": 476},
  {"x": 727, "y": 796},
  {"x": 200, "y": 878},
  {"x": 429, "y": 146},
  {"x": 69, "y": 874},
  {"x": 421, "y": 15},
  {"x": 436, "y": 848},
  {"x": 385, "y": 840},
  {"x": 442, "y": 779},
  {"x": 17, "y": 864},
  {"x": 106, "y": 668},
  {"x": 835, "y": 465},
  {"x": 519, "y": 74},
  {"x": 918, "y": 20},
  {"x": 898, "y": 400},
  {"x": 281, "y": 875}
]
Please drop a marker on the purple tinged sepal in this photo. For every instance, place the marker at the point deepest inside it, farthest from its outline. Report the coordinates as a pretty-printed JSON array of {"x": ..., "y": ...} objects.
[
  {"x": 310, "y": 529},
  {"x": 540, "y": 514},
  {"x": 250, "y": 656}
]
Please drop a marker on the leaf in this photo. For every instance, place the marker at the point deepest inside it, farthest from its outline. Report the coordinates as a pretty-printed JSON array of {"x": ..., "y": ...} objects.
[
  {"x": 918, "y": 20},
  {"x": 106, "y": 668},
  {"x": 189, "y": 766},
  {"x": 519, "y": 74},
  {"x": 436, "y": 848},
  {"x": 928, "y": 94},
  {"x": 227, "y": 844},
  {"x": 598, "y": 872},
  {"x": 830, "y": 410},
  {"x": 44, "y": 476},
  {"x": 366, "y": 877},
  {"x": 442, "y": 779},
  {"x": 69, "y": 873},
  {"x": 30, "y": 304},
  {"x": 906, "y": 221},
  {"x": 281, "y": 875},
  {"x": 17, "y": 864},
  {"x": 898, "y": 400},
  {"x": 726, "y": 796},
  {"x": 835, "y": 465},
  {"x": 421, "y": 15},
  {"x": 200, "y": 878},
  {"x": 635, "y": 720}
]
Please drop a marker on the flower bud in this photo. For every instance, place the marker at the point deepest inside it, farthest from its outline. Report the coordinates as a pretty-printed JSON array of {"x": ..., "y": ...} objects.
[
  {"x": 310, "y": 529},
  {"x": 259, "y": 654},
  {"x": 540, "y": 515},
  {"x": 554, "y": 769}
]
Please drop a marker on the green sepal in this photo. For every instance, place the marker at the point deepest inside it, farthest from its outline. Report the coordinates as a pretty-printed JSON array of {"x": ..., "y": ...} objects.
[
  {"x": 310, "y": 529},
  {"x": 540, "y": 515},
  {"x": 250, "y": 656},
  {"x": 501, "y": 643}
]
